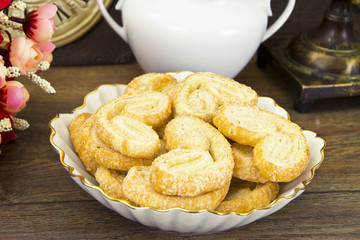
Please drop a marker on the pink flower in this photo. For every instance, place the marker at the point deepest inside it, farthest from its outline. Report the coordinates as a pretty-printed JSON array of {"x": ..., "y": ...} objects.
[
  {"x": 4, "y": 4},
  {"x": 25, "y": 54},
  {"x": 13, "y": 97},
  {"x": 39, "y": 24},
  {"x": 46, "y": 48},
  {"x": 2, "y": 73}
]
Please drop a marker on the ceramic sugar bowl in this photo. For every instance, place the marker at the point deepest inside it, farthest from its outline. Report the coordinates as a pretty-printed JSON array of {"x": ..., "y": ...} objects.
[{"x": 219, "y": 36}]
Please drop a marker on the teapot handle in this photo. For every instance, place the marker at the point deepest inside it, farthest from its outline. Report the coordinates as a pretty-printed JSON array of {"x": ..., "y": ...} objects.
[
  {"x": 115, "y": 26},
  {"x": 122, "y": 32},
  {"x": 280, "y": 21}
]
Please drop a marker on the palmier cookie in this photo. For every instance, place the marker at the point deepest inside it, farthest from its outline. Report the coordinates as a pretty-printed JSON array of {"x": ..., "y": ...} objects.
[
  {"x": 112, "y": 159},
  {"x": 281, "y": 152},
  {"x": 246, "y": 125},
  {"x": 111, "y": 181},
  {"x": 115, "y": 160},
  {"x": 282, "y": 157},
  {"x": 75, "y": 127},
  {"x": 84, "y": 146},
  {"x": 138, "y": 189},
  {"x": 158, "y": 82},
  {"x": 125, "y": 123},
  {"x": 199, "y": 159},
  {"x": 244, "y": 164},
  {"x": 246, "y": 196},
  {"x": 200, "y": 95},
  {"x": 94, "y": 151}
]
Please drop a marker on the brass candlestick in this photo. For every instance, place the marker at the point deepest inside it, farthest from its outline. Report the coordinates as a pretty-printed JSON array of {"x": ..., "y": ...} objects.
[{"x": 321, "y": 63}]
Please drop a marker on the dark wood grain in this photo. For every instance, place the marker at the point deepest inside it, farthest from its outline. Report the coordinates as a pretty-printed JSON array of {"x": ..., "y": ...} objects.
[{"x": 38, "y": 199}]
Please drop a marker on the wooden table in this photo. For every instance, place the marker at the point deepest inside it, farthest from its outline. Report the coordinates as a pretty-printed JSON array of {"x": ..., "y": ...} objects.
[{"x": 38, "y": 199}]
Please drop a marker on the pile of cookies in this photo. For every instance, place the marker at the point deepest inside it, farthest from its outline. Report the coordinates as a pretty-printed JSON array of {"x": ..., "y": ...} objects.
[{"x": 201, "y": 143}]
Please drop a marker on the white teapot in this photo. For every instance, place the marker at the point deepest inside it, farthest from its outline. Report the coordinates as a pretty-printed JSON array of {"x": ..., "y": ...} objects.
[{"x": 219, "y": 36}]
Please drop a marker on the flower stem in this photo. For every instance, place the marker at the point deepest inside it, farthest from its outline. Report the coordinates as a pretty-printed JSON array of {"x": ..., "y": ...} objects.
[
  {"x": 6, "y": 22},
  {"x": 17, "y": 20}
]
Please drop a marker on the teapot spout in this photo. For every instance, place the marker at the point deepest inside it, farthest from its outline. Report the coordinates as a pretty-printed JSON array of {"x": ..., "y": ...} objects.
[{"x": 266, "y": 4}]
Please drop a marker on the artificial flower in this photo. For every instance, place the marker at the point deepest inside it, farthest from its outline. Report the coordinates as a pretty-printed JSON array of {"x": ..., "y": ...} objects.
[
  {"x": 4, "y": 4},
  {"x": 13, "y": 97},
  {"x": 29, "y": 55},
  {"x": 7, "y": 128},
  {"x": 25, "y": 54},
  {"x": 39, "y": 24},
  {"x": 46, "y": 48}
]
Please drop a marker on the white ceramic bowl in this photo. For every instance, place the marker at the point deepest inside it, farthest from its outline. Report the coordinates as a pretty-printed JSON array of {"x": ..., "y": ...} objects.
[{"x": 174, "y": 219}]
